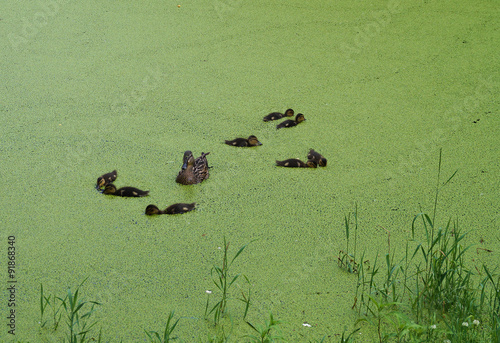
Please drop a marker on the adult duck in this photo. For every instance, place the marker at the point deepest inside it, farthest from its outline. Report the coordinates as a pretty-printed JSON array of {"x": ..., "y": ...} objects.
[{"x": 193, "y": 170}]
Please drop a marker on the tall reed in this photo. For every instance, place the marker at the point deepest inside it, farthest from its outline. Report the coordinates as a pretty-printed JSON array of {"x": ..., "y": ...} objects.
[
  {"x": 434, "y": 277},
  {"x": 347, "y": 260},
  {"x": 51, "y": 302},
  {"x": 493, "y": 302},
  {"x": 223, "y": 281},
  {"x": 78, "y": 315},
  {"x": 77, "y": 312}
]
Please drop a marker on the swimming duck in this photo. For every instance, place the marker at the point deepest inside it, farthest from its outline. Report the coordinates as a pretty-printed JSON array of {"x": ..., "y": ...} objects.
[
  {"x": 317, "y": 157},
  {"x": 279, "y": 115},
  {"x": 299, "y": 118},
  {"x": 250, "y": 141},
  {"x": 296, "y": 163},
  {"x": 193, "y": 171},
  {"x": 106, "y": 179},
  {"x": 172, "y": 209},
  {"x": 124, "y": 191}
]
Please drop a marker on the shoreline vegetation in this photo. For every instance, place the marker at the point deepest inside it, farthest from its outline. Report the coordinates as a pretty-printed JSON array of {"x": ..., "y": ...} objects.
[{"x": 429, "y": 295}]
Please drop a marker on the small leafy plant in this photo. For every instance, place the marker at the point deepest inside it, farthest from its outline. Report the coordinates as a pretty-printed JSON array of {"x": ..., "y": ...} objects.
[
  {"x": 155, "y": 337},
  {"x": 77, "y": 314},
  {"x": 264, "y": 334},
  {"x": 223, "y": 281},
  {"x": 347, "y": 260},
  {"x": 49, "y": 301}
]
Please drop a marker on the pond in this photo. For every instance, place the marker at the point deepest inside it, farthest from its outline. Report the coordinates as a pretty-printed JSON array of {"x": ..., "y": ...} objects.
[{"x": 90, "y": 87}]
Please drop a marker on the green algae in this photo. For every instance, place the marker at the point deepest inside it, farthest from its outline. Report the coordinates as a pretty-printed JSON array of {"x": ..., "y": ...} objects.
[{"x": 96, "y": 87}]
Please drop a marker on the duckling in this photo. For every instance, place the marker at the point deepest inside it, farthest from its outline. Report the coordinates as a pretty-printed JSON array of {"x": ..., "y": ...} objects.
[
  {"x": 153, "y": 209},
  {"x": 193, "y": 171},
  {"x": 106, "y": 179},
  {"x": 279, "y": 115},
  {"x": 317, "y": 157},
  {"x": 172, "y": 209},
  {"x": 299, "y": 118},
  {"x": 124, "y": 191},
  {"x": 296, "y": 163},
  {"x": 251, "y": 141}
]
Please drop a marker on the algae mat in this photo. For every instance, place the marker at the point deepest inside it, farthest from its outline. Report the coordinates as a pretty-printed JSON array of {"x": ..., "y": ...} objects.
[{"x": 88, "y": 87}]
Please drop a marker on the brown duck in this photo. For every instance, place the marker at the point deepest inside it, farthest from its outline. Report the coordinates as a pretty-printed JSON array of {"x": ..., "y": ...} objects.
[
  {"x": 299, "y": 118},
  {"x": 279, "y": 115},
  {"x": 193, "y": 170},
  {"x": 242, "y": 142},
  {"x": 317, "y": 157},
  {"x": 172, "y": 209},
  {"x": 124, "y": 191},
  {"x": 106, "y": 179},
  {"x": 296, "y": 163}
]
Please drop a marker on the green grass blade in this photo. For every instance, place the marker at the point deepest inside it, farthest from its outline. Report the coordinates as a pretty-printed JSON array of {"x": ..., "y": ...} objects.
[
  {"x": 451, "y": 177},
  {"x": 234, "y": 279},
  {"x": 253, "y": 327},
  {"x": 241, "y": 250}
]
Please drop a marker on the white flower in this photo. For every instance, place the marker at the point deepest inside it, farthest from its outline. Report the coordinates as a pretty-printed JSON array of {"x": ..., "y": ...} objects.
[
  {"x": 433, "y": 326},
  {"x": 446, "y": 341},
  {"x": 475, "y": 322},
  {"x": 465, "y": 324},
  {"x": 208, "y": 292},
  {"x": 307, "y": 325}
]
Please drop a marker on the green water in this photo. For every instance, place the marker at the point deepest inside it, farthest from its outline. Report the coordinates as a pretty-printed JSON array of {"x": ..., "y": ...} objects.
[{"x": 88, "y": 87}]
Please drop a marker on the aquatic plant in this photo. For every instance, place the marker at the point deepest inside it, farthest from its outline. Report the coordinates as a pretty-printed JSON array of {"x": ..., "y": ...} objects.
[
  {"x": 429, "y": 294},
  {"x": 154, "y": 336},
  {"x": 264, "y": 331},
  {"x": 380, "y": 315},
  {"x": 245, "y": 298},
  {"x": 220, "y": 336},
  {"x": 221, "y": 279},
  {"x": 349, "y": 338},
  {"x": 50, "y": 301},
  {"x": 493, "y": 302},
  {"x": 77, "y": 313},
  {"x": 78, "y": 323},
  {"x": 347, "y": 260}
]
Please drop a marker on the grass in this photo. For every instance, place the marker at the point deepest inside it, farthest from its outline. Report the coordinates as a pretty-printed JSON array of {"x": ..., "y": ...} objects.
[
  {"x": 245, "y": 297},
  {"x": 265, "y": 333},
  {"x": 154, "y": 336},
  {"x": 77, "y": 314},
  {"x": 223, "y": 282},
  {"x": 427, "y": 296},
  {"x": 430, "y": 294},
  {"x": 492, "y": 301},
  {"x": 56, "y": 307},
  {"x": 347, "y": 260},
  {"x": 349, "y": 338}
]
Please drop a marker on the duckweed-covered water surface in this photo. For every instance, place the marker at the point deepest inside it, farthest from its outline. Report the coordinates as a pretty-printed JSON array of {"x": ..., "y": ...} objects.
[{"x": 90, "y": 87}]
